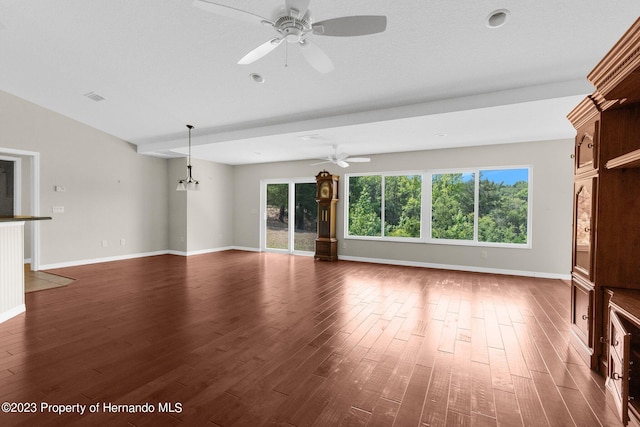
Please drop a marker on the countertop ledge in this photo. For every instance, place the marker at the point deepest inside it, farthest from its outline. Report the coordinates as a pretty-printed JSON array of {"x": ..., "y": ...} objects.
[{"x": 19, "y": 218}]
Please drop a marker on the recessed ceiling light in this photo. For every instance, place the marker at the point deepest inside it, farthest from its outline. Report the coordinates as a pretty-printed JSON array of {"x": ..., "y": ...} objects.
[
  {"x": 497, "y": 18},
  {"x": 256, "y": 78},
  {"x": 442, "y": 134}
]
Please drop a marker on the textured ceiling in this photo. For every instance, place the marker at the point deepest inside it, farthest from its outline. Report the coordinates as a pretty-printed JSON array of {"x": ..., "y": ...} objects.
[{"x": 437, "y": 69}]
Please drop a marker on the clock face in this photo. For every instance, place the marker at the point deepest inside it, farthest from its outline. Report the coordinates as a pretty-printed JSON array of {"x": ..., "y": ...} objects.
[{"x": 325, "y": 190}]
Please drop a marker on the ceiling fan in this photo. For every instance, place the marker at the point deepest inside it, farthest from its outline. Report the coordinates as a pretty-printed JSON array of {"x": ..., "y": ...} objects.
[
  {"x": 342, "y": 159},
  {"x": 293, "y": 22}
]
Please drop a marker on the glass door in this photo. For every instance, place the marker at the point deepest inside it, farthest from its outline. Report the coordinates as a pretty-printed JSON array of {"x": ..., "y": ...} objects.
[
  {"x": 306, "y": 220},
  {"x": 290, "y": 212},
  {"x": 277, "y": 216}
]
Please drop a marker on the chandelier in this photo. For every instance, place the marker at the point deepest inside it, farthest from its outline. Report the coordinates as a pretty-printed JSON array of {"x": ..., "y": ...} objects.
[{"x": 188, "y": 184}]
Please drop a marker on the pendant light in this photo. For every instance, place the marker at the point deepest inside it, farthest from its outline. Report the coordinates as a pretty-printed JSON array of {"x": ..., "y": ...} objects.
[{"x": 188, "y": 184}]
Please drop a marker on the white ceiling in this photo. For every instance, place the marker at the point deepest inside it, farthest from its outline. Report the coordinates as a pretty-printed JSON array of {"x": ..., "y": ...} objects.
[{"x": 436, "y": 70}]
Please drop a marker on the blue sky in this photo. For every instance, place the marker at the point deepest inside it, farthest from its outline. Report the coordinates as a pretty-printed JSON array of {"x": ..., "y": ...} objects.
[{"x": 507, "y": 176}]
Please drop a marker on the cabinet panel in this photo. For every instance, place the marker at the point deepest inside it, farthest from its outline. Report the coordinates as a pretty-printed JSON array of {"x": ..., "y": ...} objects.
[
  {"x": 582, "y": 300},
  {"x": 584, "y": 219},
  {"x": 617, "y": 383},
  {"x": 586, "y": 150}
]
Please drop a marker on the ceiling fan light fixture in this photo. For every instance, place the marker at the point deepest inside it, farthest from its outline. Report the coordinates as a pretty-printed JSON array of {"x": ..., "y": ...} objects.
[{"x": 497, "y": 18}]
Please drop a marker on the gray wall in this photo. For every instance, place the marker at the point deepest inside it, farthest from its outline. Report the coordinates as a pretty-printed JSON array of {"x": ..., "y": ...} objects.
[
  {"x": 112, "y": 192},
  {"x": 201, "y": 220},
  {"x": 550, "y": 254}
]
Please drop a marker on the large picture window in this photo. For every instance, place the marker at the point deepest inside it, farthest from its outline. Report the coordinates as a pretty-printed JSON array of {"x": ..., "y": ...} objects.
[
  {"x": 474, "y": 206},
  {"x": 384, "y": 206}
]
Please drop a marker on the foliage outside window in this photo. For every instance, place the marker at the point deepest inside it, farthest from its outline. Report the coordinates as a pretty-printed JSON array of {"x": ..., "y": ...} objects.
[
  {"x": 480, "y": 206},
  {"x": 453, "y": 206},
  {"x": 500, "y": 214},
  {"x": 394, "y": 201},
  {"x": 503, "y": 208},
  {"x": 402, "y": 205}
]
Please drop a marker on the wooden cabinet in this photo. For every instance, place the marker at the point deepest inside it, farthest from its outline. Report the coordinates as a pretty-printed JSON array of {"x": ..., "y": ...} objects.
[
  {"x": 584, "y": 221},
  {"x": 623, "y": 373},
  {"x": 327, "y": 198},
  {"x": 582, "y": 306},
  {"x": 605, "y": 329}
]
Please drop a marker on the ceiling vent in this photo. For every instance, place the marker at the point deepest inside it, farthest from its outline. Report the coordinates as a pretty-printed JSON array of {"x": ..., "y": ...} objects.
[{"x": 94, "y": 96}]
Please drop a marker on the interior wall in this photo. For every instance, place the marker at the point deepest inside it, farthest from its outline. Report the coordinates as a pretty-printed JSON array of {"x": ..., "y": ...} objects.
[
  {"x": 201, "y": 221},
  {"x": 552, "y": 192},
  {"x": 111, "y": 193}
]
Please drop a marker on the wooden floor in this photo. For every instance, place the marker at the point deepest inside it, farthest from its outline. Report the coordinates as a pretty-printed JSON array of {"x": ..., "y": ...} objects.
[{"x": 254, "y": 339}]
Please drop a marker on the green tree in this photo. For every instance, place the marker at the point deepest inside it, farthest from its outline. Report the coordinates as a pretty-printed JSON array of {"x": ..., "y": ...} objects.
[
  {"x": 365, "y": 201},
  {"x": 402, "y": 203},
  {"x": 278, "y": 196},
  {"x": 452, "y": 199},
  {"x": 503, "y": 212}
]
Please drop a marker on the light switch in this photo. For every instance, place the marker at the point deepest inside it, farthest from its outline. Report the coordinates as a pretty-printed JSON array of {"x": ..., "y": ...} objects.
[{"x": 58, "y": 209}]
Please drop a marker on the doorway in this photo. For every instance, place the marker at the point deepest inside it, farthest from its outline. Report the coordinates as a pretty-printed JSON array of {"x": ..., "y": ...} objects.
[
  {"x": 32, "y": 228},
  {"x": 10, "y": 186},
  {"x": 290, "y": 215}
]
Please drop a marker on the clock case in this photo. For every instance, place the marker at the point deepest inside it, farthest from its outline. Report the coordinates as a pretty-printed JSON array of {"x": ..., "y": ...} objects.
[{"x": 327, "y": 198}]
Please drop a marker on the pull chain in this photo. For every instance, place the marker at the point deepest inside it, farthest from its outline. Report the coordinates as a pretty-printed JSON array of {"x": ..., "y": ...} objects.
[{"x": 286, "y": 54}]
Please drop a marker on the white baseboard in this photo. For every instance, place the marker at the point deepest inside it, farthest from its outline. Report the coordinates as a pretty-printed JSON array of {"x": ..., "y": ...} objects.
[
  {"x": 140, "y": 255},
  {"x": 472, "y": 269},
  {"x": 12, "y": 313},
  {"x": 246, "y": 248},
  {"x": 100, "y": 260},
  {"x": 201, "y": 251}
]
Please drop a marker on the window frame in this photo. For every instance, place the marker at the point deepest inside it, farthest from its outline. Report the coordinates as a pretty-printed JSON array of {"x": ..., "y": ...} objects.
[
  {"x": 426, "y": 212},
  {"x": 382, "y": 237}
]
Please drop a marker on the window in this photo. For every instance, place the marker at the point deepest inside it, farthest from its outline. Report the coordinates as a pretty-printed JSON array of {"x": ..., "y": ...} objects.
[
  {"x": 474, "y": 206},
  {"x": 503, "y": 208},
  {"x": 483, "y": 206},
  {"x": 392, "y": 200},
  {"x": 453, "y": 206},
  {"x": 402, "y": 205}
]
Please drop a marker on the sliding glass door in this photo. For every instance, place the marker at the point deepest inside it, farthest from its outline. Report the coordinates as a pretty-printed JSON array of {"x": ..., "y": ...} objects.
[{"x": 290, "y": 215}]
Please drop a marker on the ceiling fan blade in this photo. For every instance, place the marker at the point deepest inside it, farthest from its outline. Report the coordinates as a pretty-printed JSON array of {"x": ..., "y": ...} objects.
[
  {"x": 230, "y": 12},
  {"x": 300, "y": 5},
  {"x": 358, "y": 159},
  {"x": 348, "y": 26},
  {"x": 260, "y": 51},
  {"x": 316, "y": 57},
  {"x": 342, "y": 164}
]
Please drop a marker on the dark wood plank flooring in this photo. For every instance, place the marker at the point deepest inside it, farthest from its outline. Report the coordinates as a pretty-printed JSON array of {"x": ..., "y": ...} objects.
[{"x": 256, "y": 339}]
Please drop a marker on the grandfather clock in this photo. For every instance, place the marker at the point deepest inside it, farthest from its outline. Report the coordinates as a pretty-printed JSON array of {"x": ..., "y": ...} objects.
[{"x": 327, "y": 198}]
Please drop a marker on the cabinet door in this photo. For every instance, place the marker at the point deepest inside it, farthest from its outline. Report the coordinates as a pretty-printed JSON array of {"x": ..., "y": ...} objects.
[
  {"x": 582, "y": 297},
  {"x": 617, "y": 383},
  {"x": 587, "y": 147},
  {"x": 583, "y": 222}
]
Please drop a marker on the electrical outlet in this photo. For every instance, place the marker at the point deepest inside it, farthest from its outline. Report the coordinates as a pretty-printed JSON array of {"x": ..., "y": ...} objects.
[
  {"x": 105, "y": 244},
  {"x": 123, "y": 242},
  {"x": 483, "y": 254}
]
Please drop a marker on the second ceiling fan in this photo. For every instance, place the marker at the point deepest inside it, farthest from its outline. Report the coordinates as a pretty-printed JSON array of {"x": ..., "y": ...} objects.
[{"x": 294, "y": 24}]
